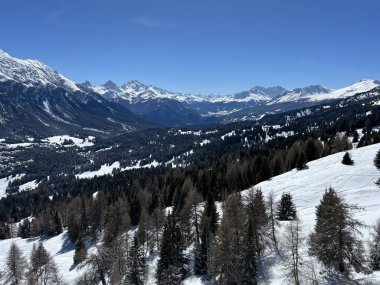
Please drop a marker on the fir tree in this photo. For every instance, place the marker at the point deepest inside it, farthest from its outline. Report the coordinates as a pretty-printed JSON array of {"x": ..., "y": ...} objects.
[
  {"x": 333, "y": 241},
  {"x": 265, "y": 171},
  {"x": 228, "y": 260},
  {"x": 377, "y": 160},
  {"x": 57, "y": 224},
  {"x": 80, "y": 253},
  {"x": 256, "y": 208},
  {"x": 208, "y": 228},
  {"x": 250, "y": 259},
  {"x": 347, "y": 159},
  {"x": 286, "y": 211},
  {"x": 24, "y": 229},
  {"x": 301, "y": 161},
  {"x": 136, "y": 264},
  {"x": 171, "y": 265}
]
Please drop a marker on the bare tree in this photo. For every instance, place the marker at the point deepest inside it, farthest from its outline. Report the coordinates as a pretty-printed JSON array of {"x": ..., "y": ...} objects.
[
  {"x": 98, "y": 266},
  {"x": 16, "y": 265},
  {"x": 272, "y": 220},
  {"x": 293, "y": 241}
]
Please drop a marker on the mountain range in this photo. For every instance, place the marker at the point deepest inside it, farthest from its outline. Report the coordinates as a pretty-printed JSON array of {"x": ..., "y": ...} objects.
[{"x": 37, "y": 100}]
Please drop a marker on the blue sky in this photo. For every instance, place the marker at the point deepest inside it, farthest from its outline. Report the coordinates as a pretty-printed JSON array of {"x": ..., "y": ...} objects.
[{"x": 199, "y": 46}]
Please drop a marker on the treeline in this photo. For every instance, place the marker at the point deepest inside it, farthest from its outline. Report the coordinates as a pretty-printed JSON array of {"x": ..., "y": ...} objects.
[{"x": 220, "y": 175}]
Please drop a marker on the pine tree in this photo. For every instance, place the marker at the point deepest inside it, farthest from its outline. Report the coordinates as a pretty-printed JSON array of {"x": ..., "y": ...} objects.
[
  {"x": 311, "y": 150},
  {"x": 286, "y": 211},
  {"x": 347, "y": 159},
  {"x": 208, "y": 228},
  {"x": 374, "y": 248},
  {"x": 256, "y": 209},
  {"x": 24, "y": 229},
  {"x": 250, "y": 259},
  {"x": 265, "y": 172},
  {"x": 228, "y": 256},
  {"x": 80, "y": 253},
  {"x": 83, "y": 223},
  {"x": 171, "y": 265},
  {"x": 5, "y": 231},
  {"x": 136, "y": 264},
  {"x": 333, "y": 241},
  {"x": 301, "y": 161},
  {"x": 16, "y": 265},
  {"x": 57, "y": 224},
  {"x": 278, "y": 165},
  {"x": 117, "y": 221},
  {"x": 377, "y": 160}
]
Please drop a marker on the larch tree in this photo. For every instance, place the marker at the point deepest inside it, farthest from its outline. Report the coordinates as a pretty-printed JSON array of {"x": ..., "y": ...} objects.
[
  {"x": 16, "y": 265},
  {"x": 293, "y": 258},
  {"x": 43, "y": 270}
]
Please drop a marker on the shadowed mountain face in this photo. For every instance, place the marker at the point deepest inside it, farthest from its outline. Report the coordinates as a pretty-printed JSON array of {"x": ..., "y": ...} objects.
[
  {"x": 45, "y": 111},
  {"x": 37, "y": 101}
]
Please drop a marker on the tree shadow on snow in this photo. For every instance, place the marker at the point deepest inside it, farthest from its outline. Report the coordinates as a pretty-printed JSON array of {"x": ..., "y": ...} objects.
[
  {"x": 263, "y": 270},
  {"x": 67, "y": 245}
]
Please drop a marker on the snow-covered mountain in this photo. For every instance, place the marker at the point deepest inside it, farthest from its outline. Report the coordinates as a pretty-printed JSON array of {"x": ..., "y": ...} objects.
[
  {"x": 318, "y": 93},
  {"x": 32, "y": 73},
  {"x": 36, "y": 100},
  {"x": 135, "y": 91},
  {"x": 176, "y": 109}
]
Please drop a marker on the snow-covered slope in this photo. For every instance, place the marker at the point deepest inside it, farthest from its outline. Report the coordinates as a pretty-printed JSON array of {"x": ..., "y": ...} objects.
[
  {"x": 356, "y": 184},
  {"x": 316, "y": 93},
  {"x": 31, "y": 73}
]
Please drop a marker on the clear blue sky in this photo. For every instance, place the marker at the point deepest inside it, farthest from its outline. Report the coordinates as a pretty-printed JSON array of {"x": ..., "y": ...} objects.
[{"x": 199, "y": 46}]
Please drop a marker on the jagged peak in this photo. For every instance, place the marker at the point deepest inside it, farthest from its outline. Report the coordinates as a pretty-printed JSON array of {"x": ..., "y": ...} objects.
[
  {"x": 86, "y": 84},
  {"x": 110, "y": 85}
]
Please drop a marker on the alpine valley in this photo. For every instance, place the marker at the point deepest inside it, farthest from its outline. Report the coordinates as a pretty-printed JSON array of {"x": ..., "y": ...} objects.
[{"x": 134, "y": 184}]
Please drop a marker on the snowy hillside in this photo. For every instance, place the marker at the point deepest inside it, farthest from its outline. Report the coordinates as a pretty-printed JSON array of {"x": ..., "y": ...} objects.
[{"x": 354, "y": 183}]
